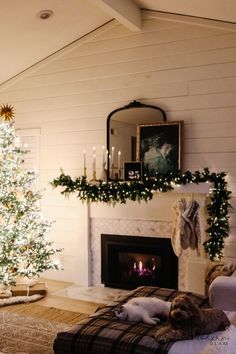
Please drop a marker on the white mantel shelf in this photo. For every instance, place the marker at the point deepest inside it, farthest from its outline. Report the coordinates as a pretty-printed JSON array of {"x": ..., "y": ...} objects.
[
  {"x": 158, "y": 208},
  {"x": 201, "y": 188}
]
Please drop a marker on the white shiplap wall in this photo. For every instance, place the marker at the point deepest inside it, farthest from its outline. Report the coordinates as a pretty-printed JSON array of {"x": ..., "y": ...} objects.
[{"x": 187, "y": 69}]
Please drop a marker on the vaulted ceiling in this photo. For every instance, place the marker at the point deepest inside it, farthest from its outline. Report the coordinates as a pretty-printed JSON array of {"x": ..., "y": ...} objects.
[{"x": 27, "y": 39}]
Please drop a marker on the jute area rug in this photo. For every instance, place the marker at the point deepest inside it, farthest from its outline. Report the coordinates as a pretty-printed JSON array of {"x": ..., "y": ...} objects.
[{"x": 31, "y": 329}]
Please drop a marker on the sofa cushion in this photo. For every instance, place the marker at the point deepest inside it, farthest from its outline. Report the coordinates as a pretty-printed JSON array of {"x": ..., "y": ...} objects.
[{"x": 222, "y": 293}]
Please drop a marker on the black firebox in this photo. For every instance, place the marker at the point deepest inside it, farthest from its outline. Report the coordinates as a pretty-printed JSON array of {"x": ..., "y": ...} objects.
[{"x": 132, "y": 261}]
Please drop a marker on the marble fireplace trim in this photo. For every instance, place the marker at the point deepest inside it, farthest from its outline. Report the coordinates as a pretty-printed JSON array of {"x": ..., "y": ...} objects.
[{"x": 130, "y": 227}]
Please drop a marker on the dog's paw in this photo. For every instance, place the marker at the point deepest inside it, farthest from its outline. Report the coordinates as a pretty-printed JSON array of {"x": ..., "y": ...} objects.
[
  {"x": 161, "y": 339},
  {"x": 161, "y": 335},
  {"x": 164, "y": 335}
]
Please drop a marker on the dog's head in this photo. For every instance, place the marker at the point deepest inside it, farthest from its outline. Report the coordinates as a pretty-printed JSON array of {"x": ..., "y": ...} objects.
[
  {"x": 183, "y": 309},
  {"x": 120, "y": 313}
]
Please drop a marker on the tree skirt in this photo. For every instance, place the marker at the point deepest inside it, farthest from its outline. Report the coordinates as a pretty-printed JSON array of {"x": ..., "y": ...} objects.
[{"x": 27, "y": 335}]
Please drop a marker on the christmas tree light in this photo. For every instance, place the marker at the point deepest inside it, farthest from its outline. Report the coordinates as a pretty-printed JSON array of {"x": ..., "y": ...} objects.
[{"x": 24, "y": 248}]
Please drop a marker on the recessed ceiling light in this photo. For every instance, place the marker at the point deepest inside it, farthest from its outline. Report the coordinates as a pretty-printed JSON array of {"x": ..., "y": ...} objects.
[{"x": 44, "y": 14}]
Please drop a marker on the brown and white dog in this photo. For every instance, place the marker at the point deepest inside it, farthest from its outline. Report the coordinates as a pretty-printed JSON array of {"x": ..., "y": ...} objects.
[{"x": 187, "y": 320}]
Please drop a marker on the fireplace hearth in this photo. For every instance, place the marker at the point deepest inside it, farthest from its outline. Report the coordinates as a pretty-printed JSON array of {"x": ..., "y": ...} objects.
[{"x": 131, "y": 261}]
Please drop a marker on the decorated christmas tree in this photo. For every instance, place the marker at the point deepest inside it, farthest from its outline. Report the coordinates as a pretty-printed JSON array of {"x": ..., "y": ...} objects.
[{"x": 24, "y": 248}]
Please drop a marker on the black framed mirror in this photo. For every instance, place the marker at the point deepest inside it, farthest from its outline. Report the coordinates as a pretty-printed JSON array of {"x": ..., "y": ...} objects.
[{"x": 122, "y": 133}]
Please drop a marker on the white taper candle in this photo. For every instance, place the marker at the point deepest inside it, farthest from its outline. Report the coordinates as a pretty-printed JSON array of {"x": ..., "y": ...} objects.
[
  {"x": 103, "y": 156},
  {"x": 119, "y": 156},
  {"x": 84, "y": 156},
  {"x": 112, "y": 155}
]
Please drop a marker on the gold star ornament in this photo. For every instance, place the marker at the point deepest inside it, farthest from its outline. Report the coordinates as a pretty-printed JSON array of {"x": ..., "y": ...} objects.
[{"x": 6, "y": 113}]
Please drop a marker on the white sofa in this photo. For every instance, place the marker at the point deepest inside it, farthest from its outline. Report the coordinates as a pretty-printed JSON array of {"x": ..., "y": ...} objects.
[{"x": 222, "y": 293}]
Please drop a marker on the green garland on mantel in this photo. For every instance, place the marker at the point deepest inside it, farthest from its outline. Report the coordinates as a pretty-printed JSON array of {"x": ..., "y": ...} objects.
[{"x": 119, "y": 192}]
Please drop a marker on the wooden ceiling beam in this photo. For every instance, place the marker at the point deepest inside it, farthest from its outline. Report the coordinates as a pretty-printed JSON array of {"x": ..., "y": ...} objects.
[{"x": 124, "y": 11}]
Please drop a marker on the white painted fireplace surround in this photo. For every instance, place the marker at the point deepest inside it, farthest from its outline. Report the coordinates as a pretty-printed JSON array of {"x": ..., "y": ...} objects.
[{"x": 152, "y": 219}]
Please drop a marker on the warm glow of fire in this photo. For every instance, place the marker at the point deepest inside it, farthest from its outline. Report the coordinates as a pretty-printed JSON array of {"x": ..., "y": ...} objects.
[
  {"x": 140, "y": 266},
  {"x": 154, "y": 267},
  {"x": 141, "y": 270}
]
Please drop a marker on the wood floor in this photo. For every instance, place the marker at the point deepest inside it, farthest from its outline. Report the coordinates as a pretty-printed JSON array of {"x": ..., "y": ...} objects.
[{"x": 64, "y": 303}]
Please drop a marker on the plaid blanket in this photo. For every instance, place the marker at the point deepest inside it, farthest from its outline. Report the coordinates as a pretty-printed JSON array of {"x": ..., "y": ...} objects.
[{"x": 103, "y": 333}]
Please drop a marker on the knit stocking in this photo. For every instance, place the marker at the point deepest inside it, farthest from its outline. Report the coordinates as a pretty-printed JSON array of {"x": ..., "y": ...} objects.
[
  {"x": 178, "y": 227},
  {"x": 192, "y": 234}
]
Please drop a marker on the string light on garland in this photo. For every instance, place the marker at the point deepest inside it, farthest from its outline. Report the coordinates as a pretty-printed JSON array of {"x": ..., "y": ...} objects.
[{"x": 119, "y": 192}]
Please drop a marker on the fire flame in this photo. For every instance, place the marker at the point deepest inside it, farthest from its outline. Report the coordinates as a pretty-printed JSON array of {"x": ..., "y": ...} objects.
[
  {"x": 142, "y": 270},
  {"x": 140, "y": 266}
]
